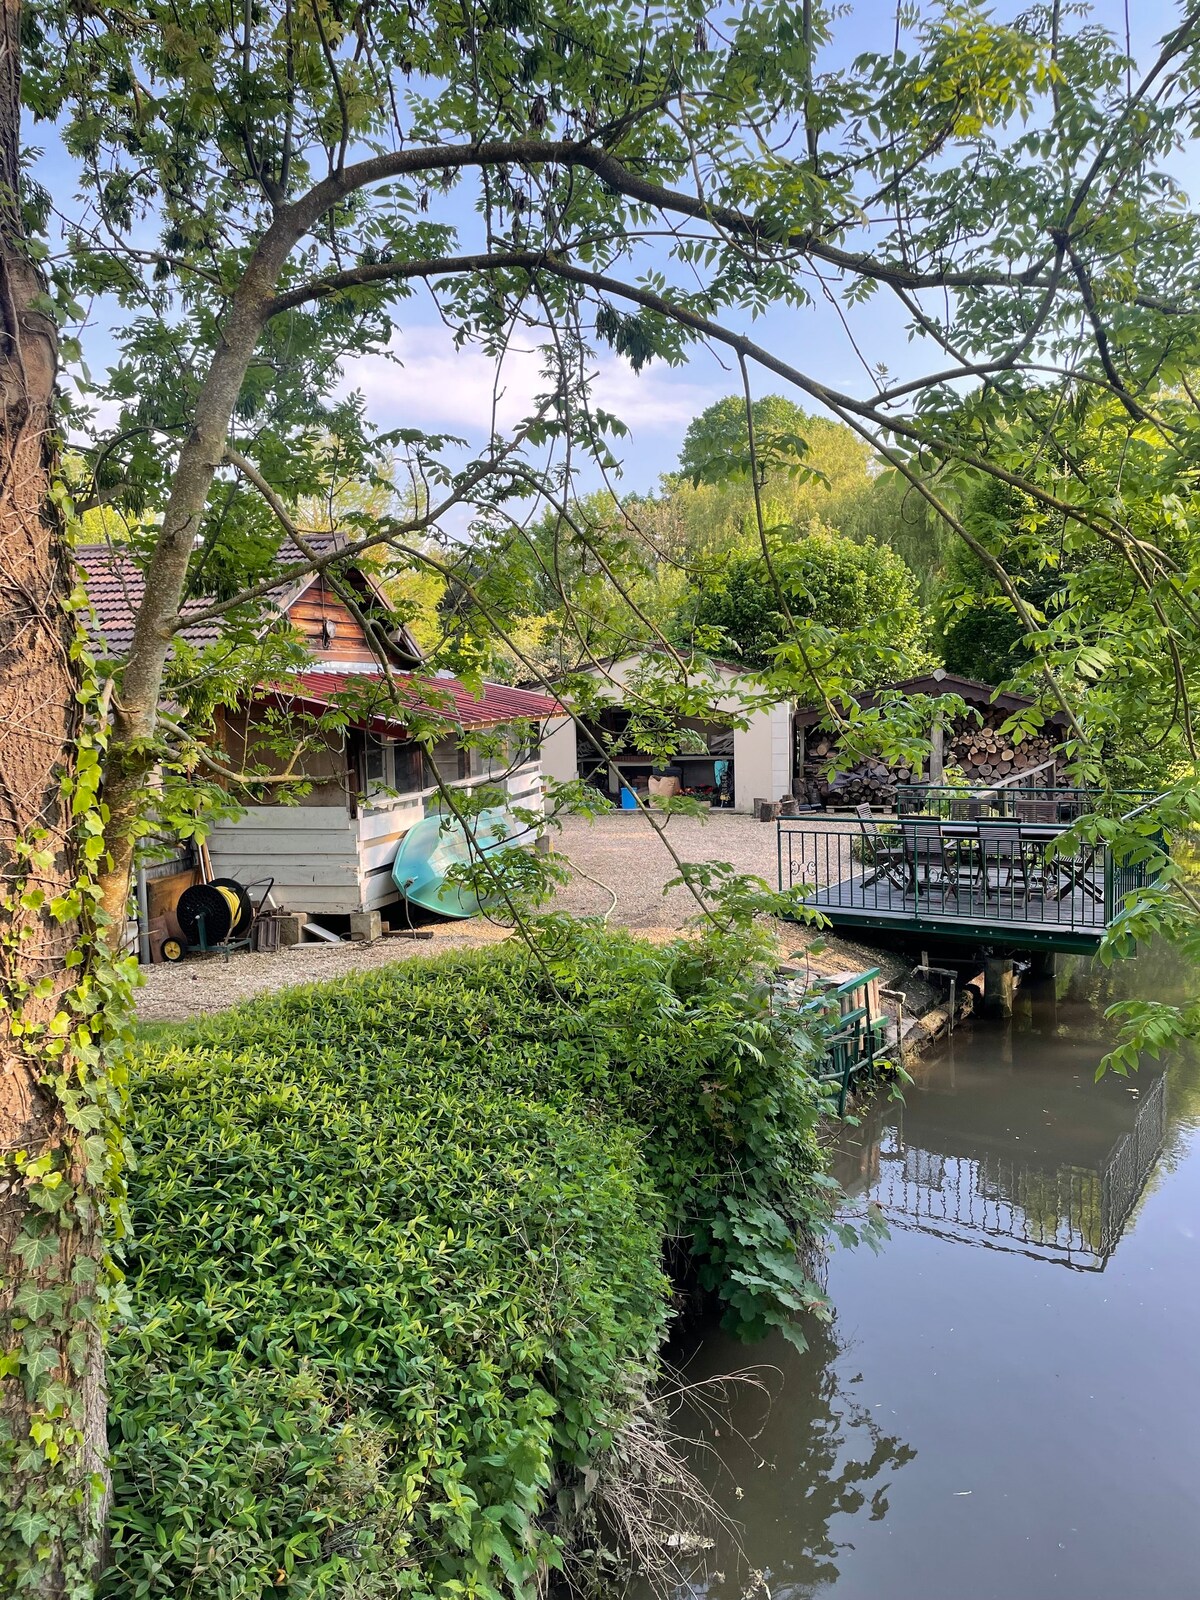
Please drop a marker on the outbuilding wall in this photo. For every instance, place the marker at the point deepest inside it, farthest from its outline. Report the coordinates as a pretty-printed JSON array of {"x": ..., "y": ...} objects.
[
  {"x": 325, "y": 861},
  {"x": 762, "y": 752},
  {"x": 762, "y": 757}
]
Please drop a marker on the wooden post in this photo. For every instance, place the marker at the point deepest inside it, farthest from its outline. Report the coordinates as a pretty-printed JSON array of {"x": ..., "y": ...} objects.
[
  {"x": 937, "y": 753},
  {"x": 999, "y": 985}
]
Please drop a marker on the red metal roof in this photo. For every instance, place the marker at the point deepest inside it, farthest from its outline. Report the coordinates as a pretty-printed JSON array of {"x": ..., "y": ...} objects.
[{"x": 436, "y": 697}]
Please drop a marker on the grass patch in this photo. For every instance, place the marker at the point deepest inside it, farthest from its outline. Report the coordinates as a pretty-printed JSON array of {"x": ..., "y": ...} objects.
[{"x": 396, "y": 1268}]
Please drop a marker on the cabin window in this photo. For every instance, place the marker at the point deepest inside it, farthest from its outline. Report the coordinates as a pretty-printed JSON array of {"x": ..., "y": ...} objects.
[
  {"x": 524, "y": 744},
  {"x": 489, "y": 755},
  {"x": 481, "y": 763},
  {"x": 450, "y": 761},
  {"x": 391, "y": 767},
  {"x": 375, "y": 764}
]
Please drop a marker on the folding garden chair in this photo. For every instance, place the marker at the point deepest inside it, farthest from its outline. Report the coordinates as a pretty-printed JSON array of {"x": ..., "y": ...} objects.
[
  {"x": 926, "y": 861},
  {"x": 883, "y": 853},
  {"x": 1015, "y": 860}
]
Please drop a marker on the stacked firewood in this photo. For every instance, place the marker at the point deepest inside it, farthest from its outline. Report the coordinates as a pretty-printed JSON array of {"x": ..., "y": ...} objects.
[
  {"x": 982, "y": 752},
  {"x": 870, "y": 783},
  {"x": 986, "y": 755}
]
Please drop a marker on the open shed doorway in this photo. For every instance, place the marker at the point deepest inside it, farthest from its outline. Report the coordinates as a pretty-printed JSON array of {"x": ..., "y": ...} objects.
[{"x": 703, "y": 766}]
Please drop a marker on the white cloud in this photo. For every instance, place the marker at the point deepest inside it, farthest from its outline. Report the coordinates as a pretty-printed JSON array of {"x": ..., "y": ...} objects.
[{"x": 433, "y": 386}]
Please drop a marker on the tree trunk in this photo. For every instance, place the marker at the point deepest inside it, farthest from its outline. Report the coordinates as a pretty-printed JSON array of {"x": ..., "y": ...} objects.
[
  {"x": 135, "y": 710},
  {"x": 52, "y": 1434}
]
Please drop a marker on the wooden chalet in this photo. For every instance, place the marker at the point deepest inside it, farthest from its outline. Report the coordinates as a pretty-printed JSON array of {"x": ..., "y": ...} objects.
[{"x": 332, "y": 854}]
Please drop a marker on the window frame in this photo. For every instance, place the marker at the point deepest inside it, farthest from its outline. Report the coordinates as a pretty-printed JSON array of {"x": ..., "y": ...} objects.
[{"x": 394, "y": 756}]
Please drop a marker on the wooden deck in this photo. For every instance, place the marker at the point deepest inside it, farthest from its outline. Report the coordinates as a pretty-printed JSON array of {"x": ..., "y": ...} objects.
[
  {"x": 1078, "y": 917},
  {"x": 987, "y": 883}
]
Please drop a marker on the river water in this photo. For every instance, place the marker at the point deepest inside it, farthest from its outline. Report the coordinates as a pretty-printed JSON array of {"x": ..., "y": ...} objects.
[{"x": 1007, "y": 1403}]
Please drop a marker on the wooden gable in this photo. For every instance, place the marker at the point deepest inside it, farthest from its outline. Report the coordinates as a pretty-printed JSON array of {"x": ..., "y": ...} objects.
[{"x": 331, "y": 629}]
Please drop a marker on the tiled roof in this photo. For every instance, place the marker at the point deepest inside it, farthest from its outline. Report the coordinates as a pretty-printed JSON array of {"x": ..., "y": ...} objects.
[
  {"x": 115, "y": 586},
  {"x": 438, "y": 697}
]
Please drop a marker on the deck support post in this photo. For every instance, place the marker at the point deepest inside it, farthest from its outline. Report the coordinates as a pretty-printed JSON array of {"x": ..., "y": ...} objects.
[
  {"x": 291, "y": 928},
  {"x": 937, "y": 754},
  {"x": 999, "y": 985},
  {"x": 1043, "y": 964}
]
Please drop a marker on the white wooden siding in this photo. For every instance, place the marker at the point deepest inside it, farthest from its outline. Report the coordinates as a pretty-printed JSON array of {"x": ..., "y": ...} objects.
[
  {"x": 525, "y": 787},
  {"x": 310, "y": 851},
  {"x": 323, "y": 860},
  {"x": 380, "y": 830}
]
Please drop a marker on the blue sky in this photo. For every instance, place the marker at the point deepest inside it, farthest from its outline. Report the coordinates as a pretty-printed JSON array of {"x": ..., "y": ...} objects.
[
  {"x": 432, "y": 386},
  {"x": 453, "y": 391}
]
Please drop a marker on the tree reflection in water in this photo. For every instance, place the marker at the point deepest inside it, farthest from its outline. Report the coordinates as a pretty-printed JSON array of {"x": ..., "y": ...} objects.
[
  {"x": 803, "y": 1450},
  {"x": 1005, "y": 1144},
  {"x": 1005, "y": 1141}
]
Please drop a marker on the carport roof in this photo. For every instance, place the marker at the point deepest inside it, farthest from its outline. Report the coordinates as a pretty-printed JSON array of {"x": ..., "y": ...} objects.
[{"x": 936, "y": 684}]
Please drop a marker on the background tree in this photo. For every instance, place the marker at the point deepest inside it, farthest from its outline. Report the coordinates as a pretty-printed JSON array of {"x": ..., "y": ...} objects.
[
  {"x": 982, "y": 635},
  {"x": 854, "y": 604},
  {"x": 788, "y": 442}
]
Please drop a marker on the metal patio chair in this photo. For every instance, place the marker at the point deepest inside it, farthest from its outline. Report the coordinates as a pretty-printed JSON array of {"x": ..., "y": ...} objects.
[
  {"x": 1016, "y": 860},
  {"x": 884, "y": 855},
  {"x": 1068, "y": 875},
  {"x": 926, "y": 859}
]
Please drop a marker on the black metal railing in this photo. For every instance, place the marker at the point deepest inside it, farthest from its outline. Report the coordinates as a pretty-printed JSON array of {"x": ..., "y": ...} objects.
[
  {"x": 989, "y": 872},
  {"x": 1037, "y": 803}
]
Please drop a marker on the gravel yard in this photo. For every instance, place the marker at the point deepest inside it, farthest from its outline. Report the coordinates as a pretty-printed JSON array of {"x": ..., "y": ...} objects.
[
  {"x": 618, "y": 855},
  {"x": 197, "y": 987},
  {"x": 622, "y": 851}
]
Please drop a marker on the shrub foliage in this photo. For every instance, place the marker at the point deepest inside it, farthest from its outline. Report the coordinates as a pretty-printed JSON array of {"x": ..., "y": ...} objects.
[{"x": 397, "y": 1256}]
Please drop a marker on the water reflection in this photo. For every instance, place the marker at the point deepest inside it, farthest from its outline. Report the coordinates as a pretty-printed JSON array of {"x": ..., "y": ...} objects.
[
  {"x": 1014, "y": 1149},
  {"x": 977, "y": 1423},
  {"x": 822, "y": 1457}
]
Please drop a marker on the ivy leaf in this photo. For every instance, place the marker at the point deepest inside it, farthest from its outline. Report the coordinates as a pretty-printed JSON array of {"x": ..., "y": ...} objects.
[
  {"x": 29, "y": 1525},
  {"x": 38, "y": 1302},
  {"x": 35, "y": 1248}
]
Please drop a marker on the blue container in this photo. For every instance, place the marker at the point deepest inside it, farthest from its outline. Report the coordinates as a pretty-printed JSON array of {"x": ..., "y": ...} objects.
[{"x": 628, "y": 799}]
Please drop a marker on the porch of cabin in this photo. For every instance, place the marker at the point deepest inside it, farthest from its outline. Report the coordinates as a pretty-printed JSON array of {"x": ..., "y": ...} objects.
[
  {"x": 332, "y": 854},
  {"x": 337, "y": 859}
]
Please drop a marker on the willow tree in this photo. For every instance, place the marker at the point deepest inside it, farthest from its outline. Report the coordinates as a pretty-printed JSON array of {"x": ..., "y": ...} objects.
[{"x": 263, "y": 191}]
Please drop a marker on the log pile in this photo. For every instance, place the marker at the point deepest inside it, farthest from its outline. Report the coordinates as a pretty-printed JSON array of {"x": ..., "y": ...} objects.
[
  {"x": 983, "y": 753},
  {"x": 987, "y": 756},
  {"x": 870, "y": 783}
]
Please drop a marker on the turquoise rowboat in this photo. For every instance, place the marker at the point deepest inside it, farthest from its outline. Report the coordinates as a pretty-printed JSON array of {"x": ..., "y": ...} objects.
[{"x": 438, "y": 842}]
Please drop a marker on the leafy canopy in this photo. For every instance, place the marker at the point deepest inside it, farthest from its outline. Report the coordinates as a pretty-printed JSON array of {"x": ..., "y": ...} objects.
[{"x": 854, "y": 605}]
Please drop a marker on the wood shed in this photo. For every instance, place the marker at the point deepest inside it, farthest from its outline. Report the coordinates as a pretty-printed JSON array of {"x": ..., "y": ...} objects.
[{"x": 975, "y": 744}]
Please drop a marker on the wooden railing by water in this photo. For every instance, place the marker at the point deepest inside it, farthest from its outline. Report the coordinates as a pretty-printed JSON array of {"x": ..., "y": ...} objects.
[{"x": 852, "y": 1033}]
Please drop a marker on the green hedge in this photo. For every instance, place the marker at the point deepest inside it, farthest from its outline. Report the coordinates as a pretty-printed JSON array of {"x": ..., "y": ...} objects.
[{"x": 396, "y": 1262}]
